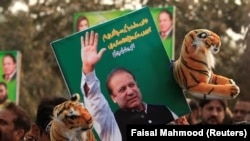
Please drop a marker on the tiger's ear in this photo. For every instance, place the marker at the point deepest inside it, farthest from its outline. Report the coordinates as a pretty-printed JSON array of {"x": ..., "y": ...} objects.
[{"x": 75, "y": 97}]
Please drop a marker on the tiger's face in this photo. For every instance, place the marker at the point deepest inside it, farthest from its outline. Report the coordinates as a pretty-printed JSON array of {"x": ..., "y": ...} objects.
[
  {"x": 202, "y": 41},
  {"x": 193, "y": 69},
  {"x": 73, "y": 115}
]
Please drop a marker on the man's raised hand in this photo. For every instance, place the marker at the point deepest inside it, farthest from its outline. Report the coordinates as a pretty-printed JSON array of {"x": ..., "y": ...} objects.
[{"x": 89, "y": 53}]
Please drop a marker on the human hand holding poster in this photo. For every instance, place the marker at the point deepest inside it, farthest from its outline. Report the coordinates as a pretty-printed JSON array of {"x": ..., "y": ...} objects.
[{"x": 133, "y": 42}]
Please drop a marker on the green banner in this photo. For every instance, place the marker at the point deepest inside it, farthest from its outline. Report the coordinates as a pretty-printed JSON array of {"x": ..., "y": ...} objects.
[
  {"x": 164, "y": 19},
  {"x": 9, "y": 73},
  {"x": 132, "y": 41}
]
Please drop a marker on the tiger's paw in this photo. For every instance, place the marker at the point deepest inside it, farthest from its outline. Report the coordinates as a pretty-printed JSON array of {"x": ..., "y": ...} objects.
[
  {"x": 232, "y": 81},
  {"x": 235, "y": 91}
]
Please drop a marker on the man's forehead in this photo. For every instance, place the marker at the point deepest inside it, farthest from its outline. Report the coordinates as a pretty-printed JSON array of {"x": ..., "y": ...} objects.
[{"x": 7, "y": 115}]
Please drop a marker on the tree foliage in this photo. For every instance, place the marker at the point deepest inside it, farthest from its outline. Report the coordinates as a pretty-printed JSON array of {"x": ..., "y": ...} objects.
[{"x": 32, "y": 32}]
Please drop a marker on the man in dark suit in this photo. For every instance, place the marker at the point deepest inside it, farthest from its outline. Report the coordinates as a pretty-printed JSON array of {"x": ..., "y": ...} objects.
[{"x": 213, "y": 111}]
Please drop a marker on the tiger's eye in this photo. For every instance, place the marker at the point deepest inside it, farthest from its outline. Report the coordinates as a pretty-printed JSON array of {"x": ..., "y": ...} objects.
[{"x": 202, "y": 35}]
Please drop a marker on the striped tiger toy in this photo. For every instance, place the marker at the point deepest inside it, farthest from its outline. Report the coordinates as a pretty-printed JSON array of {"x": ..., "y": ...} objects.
[
  {"x": 71, "y": 121},
  {"x": 193, "y": 69}
]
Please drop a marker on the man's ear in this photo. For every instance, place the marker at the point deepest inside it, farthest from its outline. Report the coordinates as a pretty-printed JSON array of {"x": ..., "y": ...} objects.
[
  {"x": 35, "y": 130},
  {"x": 19, "y": 134},
  {"x": 113, "y": 98}
]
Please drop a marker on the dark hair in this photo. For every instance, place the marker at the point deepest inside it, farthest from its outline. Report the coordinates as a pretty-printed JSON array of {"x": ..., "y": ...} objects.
[
  {"x": 114, "y": 72},
  {"x": 244, "y": 99},
  {"x": 4, "y": 84},
  {"x": 11, "y": 56},
  {"x": 193, "y": 104},
  {"x": 22, "y": 119},
  {"x": 45, "y": 111},
  {"x": 204, "y": 102},
  {"x": 79, "y": 19},
  {"x": 167, "y": 12}
]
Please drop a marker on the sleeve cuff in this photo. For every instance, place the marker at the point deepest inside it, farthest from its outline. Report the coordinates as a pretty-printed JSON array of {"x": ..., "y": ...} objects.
[{"x": 90, "y": 79}]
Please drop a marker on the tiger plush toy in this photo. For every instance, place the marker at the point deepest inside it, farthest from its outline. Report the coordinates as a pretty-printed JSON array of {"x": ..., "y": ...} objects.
[
  {"x": 193, "y": 69},
  {"x": 71, "y": 121}
]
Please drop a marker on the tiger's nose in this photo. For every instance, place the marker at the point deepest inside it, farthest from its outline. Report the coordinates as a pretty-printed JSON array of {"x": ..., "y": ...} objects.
[{"x": 216, "y": 49}]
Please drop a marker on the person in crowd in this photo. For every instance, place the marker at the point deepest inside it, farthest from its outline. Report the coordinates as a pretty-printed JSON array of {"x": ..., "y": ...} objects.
[
  {"x": 82, "y": 23},
  {"x": 194, "y": 116},
  {"x": 14, "y": 122},
  {"x": 38, "y": 130},
  {"x": 9, "y": 67},
  {"x": 240, "y": 109},
  {"x": 3, "y": 92},
  {"x": 213, "y": 111},
  {"x": 246, "y": 120},
  {"x": 124, "y": 91},
  {"x": 165, "y": 21}
]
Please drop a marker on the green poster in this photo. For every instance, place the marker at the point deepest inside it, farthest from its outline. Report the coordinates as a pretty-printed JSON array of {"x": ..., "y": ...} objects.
[
  {"x": 96, "y": 17},
  {"x": 164, "y": 23},
  {"x": 132, "y": 41},
  {"x": 9, "y": 73}
]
